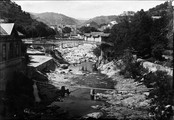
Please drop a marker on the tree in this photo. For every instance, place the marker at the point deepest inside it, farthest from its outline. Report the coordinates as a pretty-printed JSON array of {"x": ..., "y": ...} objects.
[
  {"x": 85, "y": 29},
  {"x": 12, "y": 12},
  {"x": 66, "y": 30}
]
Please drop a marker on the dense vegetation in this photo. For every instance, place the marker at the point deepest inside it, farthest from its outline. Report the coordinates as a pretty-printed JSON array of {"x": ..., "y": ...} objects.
[
  {"x": 11, "y": 12},
  {"x": 51, "y": 18},
  {"x": 88, "y": 29},
  {"x": 147, "y": 37},
  {"x": 161, "y": 95},
  {"x": 100, "y": 20},
  {"x": 143, "y": 35}
]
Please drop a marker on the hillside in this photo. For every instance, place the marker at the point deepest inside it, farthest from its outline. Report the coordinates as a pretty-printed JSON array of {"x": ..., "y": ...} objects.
[
  {"x": 12, "y": 13},
  {"x": 51, "y": 18},
  {"x": 147, "y": 33},
  {"x": 101, "y": 20},
  {"x": 166, "y": 11}
]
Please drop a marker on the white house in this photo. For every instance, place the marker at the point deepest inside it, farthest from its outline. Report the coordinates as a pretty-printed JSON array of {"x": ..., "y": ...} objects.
[{"x": 95, "y": 36}]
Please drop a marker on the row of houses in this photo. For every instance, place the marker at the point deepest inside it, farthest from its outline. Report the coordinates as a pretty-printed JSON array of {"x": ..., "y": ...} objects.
[{"x": 95, "y": 36}]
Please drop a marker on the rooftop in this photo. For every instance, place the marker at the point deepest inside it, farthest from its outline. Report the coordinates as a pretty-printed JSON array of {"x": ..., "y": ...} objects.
[
  {"x": 97, "y": 34},
  {"x": 6, "y": 28},
  {"x": 37, "y": 60}
]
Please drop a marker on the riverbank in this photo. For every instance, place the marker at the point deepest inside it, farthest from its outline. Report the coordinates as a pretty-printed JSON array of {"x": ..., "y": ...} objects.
[
  {"x": 128, "y": 100},
  {"x": 117, "y": 97}
]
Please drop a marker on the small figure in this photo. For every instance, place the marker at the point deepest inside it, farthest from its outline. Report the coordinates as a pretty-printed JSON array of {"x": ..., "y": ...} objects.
[
  {"x": 68, "y": 92},
  {"x": 92, "y": 93},
  {"x": 63, "y": 91}
]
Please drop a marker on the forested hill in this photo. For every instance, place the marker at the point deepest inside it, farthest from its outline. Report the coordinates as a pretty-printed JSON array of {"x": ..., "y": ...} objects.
[
  {"x": 51, "y": 18},
  {"x": 165, "y": 10},
  {"x": 101, "y": 20},
  {"x": 148, "y": 33},
  {"x": 11, "y": 12}
]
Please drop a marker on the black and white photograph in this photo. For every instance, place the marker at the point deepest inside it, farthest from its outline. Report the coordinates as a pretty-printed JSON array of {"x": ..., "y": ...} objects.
[{"x": 86, "y": 60}]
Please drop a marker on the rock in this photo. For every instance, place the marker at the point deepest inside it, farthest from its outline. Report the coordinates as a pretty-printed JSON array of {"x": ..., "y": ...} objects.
[
  {"x": 133, "y": 101},
  {"x": 96, "y": 107},
  {"x": 95, "y": 115},
  {"x": 109, "y": 69},
  {"x": 144, "y": 104},
  {"x": 146, "y": 94},
  {"x": 64, "y": 66}
]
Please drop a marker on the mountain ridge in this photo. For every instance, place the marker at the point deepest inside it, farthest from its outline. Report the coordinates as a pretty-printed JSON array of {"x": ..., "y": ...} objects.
[{"x": 52, "y": 18}]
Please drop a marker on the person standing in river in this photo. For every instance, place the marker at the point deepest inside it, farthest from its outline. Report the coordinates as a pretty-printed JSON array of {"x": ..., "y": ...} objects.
[{"x": 92, "y": 93}]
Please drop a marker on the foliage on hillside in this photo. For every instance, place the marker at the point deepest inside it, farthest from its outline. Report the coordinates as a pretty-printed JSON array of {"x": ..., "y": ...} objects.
[
  {"x": 161, "y": 95},
  {"x": 11, "y": 12},
  {"x": 86, "y": 29},
  {"x": 51, "y": 18},
  {"x": 143, "y": 34},
  {"x": 101, "y": 20}
]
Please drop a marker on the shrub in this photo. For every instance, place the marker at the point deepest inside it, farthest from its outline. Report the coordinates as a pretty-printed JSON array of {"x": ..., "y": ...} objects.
[
  {"x": 162, "y": 92},
  {"x": 97, "y": 51},
  {"x": 161, "y": 95},
  {"x": 131, "y": 68}
]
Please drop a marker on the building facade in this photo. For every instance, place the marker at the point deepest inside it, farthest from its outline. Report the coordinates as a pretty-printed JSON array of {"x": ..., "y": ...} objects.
[
  {"x": 95, "y": 36},
  {"x": 10, "y": 53}
]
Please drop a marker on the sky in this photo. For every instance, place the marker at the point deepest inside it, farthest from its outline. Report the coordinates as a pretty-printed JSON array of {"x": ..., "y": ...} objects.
[{"x": 85, "y": 9}]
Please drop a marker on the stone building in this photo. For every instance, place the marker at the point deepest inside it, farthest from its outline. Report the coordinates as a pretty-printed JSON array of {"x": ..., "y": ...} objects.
[{"x": 10, "y": 53}]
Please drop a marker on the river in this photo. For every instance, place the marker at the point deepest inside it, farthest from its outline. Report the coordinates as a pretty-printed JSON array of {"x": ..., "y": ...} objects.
[{"x": 78, "y": 103}]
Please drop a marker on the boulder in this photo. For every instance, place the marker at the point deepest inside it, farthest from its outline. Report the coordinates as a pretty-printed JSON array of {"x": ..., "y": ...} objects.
[
  {"x": 64, "y": 66},
  {"x": 96, "y": 107},
  {"x": 95, "y": 115},
  {"x": 144, "y": 104},
  {"x": 133, "y": 101}
]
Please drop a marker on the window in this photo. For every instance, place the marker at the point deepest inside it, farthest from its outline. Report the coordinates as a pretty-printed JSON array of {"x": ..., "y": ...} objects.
[
  {"x": 11, "y": 51},
  {"x": 17, "y": 50},
  {"x": 4, "y": 52}
]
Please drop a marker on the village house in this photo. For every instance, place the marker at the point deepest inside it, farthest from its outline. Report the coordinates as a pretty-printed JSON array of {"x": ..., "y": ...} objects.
[
  {"x": 156, "y": 17},
  {"x": 10, "y": 53},
  {"x": 95, "y": 36}
]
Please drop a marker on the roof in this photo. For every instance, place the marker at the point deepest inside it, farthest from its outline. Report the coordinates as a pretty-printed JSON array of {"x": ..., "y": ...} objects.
[
  {"x": 105, "y": 34},
  {"x": 97, "y": 34},
  {"x": 156, "y": 17},
  {"x": 6, "y": 28},
  {"x": 87, "y": 34},
  {"x": 20, "y": 34}
]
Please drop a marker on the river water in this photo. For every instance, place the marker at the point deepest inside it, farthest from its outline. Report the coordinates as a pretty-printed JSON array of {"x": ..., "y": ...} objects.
[{"x": 78, "y": 103}]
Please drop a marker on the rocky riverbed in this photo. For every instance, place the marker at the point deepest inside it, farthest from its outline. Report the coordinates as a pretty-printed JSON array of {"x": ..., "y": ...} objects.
[{"x": 127, "y": 100}]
